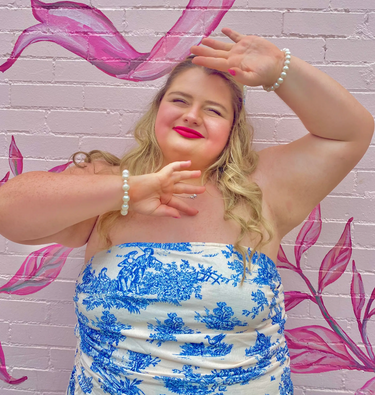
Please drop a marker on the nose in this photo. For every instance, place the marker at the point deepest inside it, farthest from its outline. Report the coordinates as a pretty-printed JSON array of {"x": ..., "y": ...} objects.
[{"x": 193, "y": 116}]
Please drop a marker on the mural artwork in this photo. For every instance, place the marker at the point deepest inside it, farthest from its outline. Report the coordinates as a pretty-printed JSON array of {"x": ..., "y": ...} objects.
[{"x": 88, "y": 33}]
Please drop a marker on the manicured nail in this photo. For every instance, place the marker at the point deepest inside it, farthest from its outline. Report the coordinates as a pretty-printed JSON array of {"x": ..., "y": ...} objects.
[{"x": 232, "y": 72}]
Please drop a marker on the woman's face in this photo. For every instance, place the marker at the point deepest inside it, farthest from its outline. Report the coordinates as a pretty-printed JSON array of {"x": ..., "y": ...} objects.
[{"x": 195, "y": 118}]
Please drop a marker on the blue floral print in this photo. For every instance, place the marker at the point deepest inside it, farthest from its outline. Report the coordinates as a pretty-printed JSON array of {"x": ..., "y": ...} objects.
[{"x": 176, "y": 318}]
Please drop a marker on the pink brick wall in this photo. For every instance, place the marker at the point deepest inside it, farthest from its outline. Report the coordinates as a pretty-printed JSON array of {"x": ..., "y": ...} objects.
[{"x": 54, "y": 103}]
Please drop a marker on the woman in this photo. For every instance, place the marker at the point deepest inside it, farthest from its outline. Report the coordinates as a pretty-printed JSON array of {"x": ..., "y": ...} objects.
[{"x": 171, "y": 307}]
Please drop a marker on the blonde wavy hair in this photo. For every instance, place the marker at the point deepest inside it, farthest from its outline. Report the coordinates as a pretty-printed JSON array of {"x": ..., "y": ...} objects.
[{"x": 230, "y": 173}]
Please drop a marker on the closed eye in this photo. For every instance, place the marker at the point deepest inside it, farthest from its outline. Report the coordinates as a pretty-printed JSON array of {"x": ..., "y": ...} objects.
[
  {"x": 215, "y": 111},
  {"x": 179, "y": 101}
]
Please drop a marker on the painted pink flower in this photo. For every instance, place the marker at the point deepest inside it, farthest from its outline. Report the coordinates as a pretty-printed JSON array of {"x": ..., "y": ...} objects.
[
  {"x": 5, "y": 179},
  {"x": 61, "y": 168},
  {"x": 38, "y": 270},
  {"x": 308, "y": 234},
  {"x": 88, "y": 33},
  {"x": 367, "y": 389},
  {"x": 15, "y": 158},
  {"x": 335, "y": 262}
]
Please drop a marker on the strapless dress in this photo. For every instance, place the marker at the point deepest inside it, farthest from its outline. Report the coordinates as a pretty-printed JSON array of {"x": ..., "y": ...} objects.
[{"x": 163, "y": 319}]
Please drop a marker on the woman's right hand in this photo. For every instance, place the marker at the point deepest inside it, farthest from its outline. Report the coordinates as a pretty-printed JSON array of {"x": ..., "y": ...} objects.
[{"x": 154, "y": 194}]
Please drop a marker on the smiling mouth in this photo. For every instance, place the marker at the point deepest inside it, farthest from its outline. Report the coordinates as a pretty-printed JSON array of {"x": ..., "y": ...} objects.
[{"x": 188, "y": 133}]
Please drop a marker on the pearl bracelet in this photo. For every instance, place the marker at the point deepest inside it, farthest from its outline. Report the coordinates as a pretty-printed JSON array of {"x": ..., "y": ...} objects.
[
  {"x": 288, "y": 56},
  {"x": 126, "y": 198}
]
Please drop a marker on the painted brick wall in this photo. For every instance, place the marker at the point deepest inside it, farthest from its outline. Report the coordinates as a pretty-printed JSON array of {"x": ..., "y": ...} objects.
[{"x": 55, "y": 103}]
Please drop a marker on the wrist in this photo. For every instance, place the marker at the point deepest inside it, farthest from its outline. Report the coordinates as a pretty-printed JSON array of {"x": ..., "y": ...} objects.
[{"x": 284, "y": 72}]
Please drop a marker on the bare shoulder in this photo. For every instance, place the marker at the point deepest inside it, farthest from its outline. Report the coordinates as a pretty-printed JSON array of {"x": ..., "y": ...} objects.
[{"x": 100, "y": 167}]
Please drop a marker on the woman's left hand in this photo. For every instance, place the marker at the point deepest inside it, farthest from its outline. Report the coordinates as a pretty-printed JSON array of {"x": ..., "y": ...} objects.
[{"x": 253, "y": 60}]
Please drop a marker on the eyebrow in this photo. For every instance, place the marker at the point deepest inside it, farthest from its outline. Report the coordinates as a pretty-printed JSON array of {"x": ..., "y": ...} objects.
[{"x": 214, "y": 103}]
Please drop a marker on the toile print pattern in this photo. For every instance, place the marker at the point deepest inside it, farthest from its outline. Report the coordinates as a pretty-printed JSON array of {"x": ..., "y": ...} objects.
[{"x": 174, "y": 319}]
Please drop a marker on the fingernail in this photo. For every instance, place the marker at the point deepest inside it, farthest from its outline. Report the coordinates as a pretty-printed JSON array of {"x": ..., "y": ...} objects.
[
  {"x": 177, "y": 217},
  {"x": 232, "y": 72}
]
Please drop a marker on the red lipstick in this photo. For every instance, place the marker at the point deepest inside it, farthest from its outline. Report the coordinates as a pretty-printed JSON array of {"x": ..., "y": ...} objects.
[{"x": 188, "y": 133}]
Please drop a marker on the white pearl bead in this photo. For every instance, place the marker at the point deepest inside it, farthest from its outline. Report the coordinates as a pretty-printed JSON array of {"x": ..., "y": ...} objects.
[
  {"x": 125, "y": 207},
  {"x": 125, "y": 187},
  {"x": 276, "y": 86},
  {"x": 280, "y": 80},
  {"x": 125, "y": 173},
  {"x": 283, "y": 74},
  {"x": 287, "y": 62},
  {"x": 286, "y": 68},
  {"x": 126, "y": 198}
]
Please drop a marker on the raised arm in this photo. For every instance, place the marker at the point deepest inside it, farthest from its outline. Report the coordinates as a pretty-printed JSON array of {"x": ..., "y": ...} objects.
[
  {"x": 40, "y": 207},
  {"x": 296, "y": 176}
]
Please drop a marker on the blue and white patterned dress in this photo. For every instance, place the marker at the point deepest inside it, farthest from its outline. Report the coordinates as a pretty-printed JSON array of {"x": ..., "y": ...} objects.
[{"x": 163, "y": 319}]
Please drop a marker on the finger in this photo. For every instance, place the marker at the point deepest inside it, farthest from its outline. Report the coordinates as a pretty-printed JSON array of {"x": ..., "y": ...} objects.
[
  {"x": 182, "y": 206},
  {"x": 215, "y": 44},
  {"x": 175, "y": 166},
  {"x": 185, "y": 175},
  {"x": 209, "y": 52},
  {"x": 211, "y": 63},
  {"x": 232, "y": 34},
  {"x": 166, "y": 211},
  {"x": 189, "y": 189}
]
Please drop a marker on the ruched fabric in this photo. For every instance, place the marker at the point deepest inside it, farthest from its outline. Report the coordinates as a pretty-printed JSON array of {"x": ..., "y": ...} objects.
[{"x": 162, "y": 319}]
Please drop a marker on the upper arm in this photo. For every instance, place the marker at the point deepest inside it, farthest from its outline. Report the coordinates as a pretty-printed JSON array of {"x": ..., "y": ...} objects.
[{"x": 295, "y": 177}]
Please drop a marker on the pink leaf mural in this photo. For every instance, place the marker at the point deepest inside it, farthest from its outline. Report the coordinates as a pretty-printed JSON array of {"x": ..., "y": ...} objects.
[
  {"x": 336, "y": 261},
  {"x": 61, "y": 168},
  {"x": 357, "y": 292},
  {"x": 38, "y": 270},
  {"x": 367, "y": 389},
  {"x": 315, "y": 349},
  {"x": 294, "y": 298},
  {"x": 282, "y": 260},
  {"x": 4, "y": 375},
  {"x": 15, "y": 158},
  {"x": 308, "y": 234},
  {"x": 88, "y": 33},
  {"x": 5, "y": 179}
]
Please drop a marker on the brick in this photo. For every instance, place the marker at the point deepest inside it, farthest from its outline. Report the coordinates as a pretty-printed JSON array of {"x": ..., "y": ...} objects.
[
  {"x": 14, "y": 19},
  {"x": 289, "y": 129},
  {"x": 62, "y": 358},
  {"x": 47, "y": 146},
  {"x": 62, "y": 314},
  {"x": 115, "y": 146},
  {"x": 46, "y": 96},
  {"x": 113, "y": 98},
  {"x": 22, "y": 311},
  {"x": 264, "y": 128},
  {"x": 4, "y": 95},
  {"x": 155, "y": 20},
  {"x": 42, "y": 335},
  {"x": 44, "y": 380},
  {"x": 36, "y": 70},
  {"x": 350, "y": 5},
  {"x": 27, "y": 357},
  {"x": 350, "y": 50},
  {"x": 78, "y": 122},
  {"x": 21, "y": 120},
  {"x": 352, "y": 76},
  {"x": 322, "y": 23},
  {"x": 289, "y": 4},
  {"x": 325, "y": 380},
  {"x": 266, "y": 23}
]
